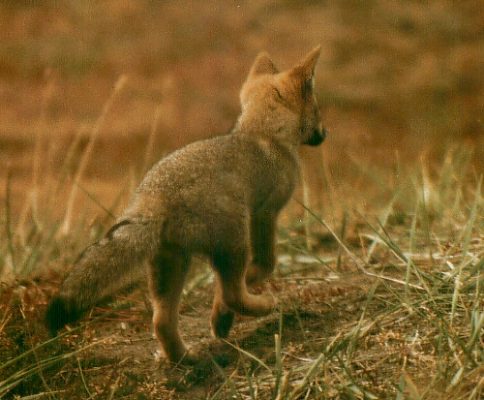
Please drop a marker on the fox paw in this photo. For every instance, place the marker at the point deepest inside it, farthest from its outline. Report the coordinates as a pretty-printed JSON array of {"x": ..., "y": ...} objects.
[
  {"x": 187, "y": 358},
  {"x": 221, "y": 323}
]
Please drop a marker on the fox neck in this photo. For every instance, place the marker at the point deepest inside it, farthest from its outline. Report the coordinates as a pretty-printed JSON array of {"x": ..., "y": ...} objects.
[{"x": 272, "y": 123}]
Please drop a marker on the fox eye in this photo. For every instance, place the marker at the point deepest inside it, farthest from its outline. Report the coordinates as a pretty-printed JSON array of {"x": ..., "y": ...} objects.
[
  {"x": 280, "y": 99},
  {"x": 278, "y": 94}
]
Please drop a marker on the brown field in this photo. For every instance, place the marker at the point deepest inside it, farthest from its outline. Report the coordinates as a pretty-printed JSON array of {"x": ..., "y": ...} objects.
[{"x": 380, "y": 284}]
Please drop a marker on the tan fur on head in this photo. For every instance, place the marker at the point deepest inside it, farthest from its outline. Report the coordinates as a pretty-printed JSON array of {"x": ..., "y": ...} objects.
[
  {"x": 270, "y": 95},
  {"x": 266, "y": 73}
]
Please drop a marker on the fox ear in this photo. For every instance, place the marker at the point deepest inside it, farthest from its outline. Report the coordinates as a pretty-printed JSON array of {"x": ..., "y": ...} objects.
[
  {"x": 304, "y": 71},
  {"x": 308, "y": 64},
  {"x": 263, "y": 65}
]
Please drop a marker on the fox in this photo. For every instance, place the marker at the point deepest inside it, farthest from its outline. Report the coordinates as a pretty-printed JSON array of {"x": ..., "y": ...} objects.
[{"x": 219, "y": 198}]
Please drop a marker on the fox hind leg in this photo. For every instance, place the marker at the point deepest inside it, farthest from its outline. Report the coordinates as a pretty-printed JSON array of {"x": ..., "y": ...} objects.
[
  {"x": 167, "y": 275},
  {"x": 231, "y": 292}
]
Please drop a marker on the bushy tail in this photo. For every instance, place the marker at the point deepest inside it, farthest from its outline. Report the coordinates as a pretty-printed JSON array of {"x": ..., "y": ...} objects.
[{"x": 103, "y": 269}]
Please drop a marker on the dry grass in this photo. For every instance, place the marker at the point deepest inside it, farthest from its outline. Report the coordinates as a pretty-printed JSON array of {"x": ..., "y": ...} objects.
[{"x": 383, "y": 300}]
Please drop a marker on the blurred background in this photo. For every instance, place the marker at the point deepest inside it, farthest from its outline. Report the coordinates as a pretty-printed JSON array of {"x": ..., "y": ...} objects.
[{"x": 95, "y": 91}]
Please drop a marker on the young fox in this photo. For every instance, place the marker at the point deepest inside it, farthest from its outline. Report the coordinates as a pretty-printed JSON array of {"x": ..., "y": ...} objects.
[{"x": 218, "y": 197}]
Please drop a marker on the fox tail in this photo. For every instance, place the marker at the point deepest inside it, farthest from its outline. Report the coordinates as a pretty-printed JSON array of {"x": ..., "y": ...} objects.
[{"x": 103, "y": 269}]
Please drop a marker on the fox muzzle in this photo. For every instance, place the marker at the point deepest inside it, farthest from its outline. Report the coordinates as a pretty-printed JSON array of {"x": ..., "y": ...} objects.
[{"x": 317, "y": 137}]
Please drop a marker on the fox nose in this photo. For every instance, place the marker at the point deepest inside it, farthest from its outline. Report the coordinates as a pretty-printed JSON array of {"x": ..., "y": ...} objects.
[{"x": 317, "y": 137}]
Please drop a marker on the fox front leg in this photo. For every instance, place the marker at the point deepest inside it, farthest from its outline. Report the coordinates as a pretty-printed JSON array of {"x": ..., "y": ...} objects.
[{"x": 263, "y": 227}]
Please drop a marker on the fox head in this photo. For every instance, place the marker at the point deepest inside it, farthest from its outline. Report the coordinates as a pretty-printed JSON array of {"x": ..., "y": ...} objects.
[{"x": 282, "y": 104}]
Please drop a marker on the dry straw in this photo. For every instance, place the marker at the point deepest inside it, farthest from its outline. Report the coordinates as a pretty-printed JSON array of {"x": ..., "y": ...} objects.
[{"x": 66, "y": 225}]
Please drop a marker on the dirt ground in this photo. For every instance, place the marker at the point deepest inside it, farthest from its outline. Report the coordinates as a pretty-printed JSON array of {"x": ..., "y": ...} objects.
[
  {"x": 356, "y": 319},
  {"x": 313, "y": 305}
]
